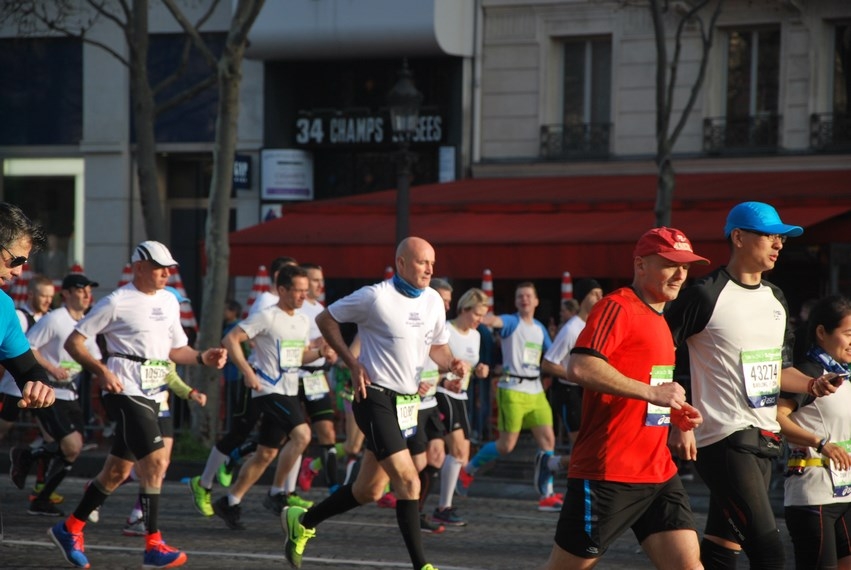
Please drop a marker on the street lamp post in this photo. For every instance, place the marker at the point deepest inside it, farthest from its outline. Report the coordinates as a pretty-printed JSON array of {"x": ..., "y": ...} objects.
[{"x": 404, "y": 101}]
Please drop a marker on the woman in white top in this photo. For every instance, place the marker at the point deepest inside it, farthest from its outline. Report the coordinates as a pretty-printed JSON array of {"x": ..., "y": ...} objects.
[
  {"x": 818, "y": 477},
  {"x": 464, "y": 342}
]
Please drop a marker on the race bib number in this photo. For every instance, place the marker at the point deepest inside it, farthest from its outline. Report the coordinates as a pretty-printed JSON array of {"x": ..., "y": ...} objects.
[
  {"x": 532, "y": 354},
  {"x": 659, "y": 415},
  {"x": 761, "y": 369},
  {"x": 72, "y": 366},
  {"x": 430, "y": 377},
  {"x": 290, "y": 353},
  {"x": 406, "y": 413},
  {"x": 315, "y": 385},
  {"x": 465, "y": 381},
  {"x": 153, "y": 374},
  {"x": 841, "y": 478}
]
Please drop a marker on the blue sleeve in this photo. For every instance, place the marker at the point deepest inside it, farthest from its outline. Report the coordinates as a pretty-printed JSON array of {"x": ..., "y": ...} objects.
[
  {"x": 509, "y": 325},
  {"x": 13, "y": 343}
]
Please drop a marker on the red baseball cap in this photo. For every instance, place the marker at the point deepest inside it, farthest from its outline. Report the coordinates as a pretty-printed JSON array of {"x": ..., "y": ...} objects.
[{"x": 670, "y": 243}]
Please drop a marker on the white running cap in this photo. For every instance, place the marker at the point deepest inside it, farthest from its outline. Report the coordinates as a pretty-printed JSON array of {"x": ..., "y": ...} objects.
[{"x": 154, "y": 252}]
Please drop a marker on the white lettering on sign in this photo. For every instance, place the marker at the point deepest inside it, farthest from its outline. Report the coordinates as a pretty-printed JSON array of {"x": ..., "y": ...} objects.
[{"x": 339, "y": 129}]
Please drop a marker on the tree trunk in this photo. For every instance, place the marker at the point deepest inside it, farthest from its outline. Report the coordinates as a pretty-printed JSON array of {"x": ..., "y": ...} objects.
[
  {"x": 217, "y": 247},
  {"x": 143, "y": 120},
  {"x": 664, "y": 189}
]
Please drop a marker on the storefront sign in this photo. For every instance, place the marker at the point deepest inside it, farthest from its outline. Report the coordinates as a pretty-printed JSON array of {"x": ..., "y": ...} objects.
[
  {"x": 332, "y": 129},
  {"x": 242, "y": 172},
  {"x": 286, "y": 174}
]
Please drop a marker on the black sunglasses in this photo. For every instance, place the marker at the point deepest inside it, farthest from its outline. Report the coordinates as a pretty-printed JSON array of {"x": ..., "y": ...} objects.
[
  {"x": 771, "y": 237},
  {"x": 16, "y": 261}
]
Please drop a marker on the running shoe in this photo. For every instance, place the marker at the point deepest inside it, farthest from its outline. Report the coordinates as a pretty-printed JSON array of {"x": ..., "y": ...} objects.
[
  {"x": 229, "y": 513},
  {"x": 55, "y": 497},
  {"x": 551, "y": 504},
  {"x": 135, "y": 528},
  {"x": 388, "y": 501},
  {"x": 293, "y": 500},
  {"x": 160, "y": 555},
  {"x": 430, "y": 527},
  {"x": 542, "y": 473},
  {"x": 201, "y": 497},
  {"x": 306, "y": 474},
  {"x": 296, "y": 534},
  {"x": 448, "y": 516},
  {"x": 45, "y": 508},
  {"x": 429, "y": 567},
  {"x": 275, "y": 503},
  {"x": 333, "y": 488},
  {"x": 462, "y": 486},
  {"x": 70, "y": 544},
  {"x": 224, "y": 474},
  {"x": 21, "y": 459}
]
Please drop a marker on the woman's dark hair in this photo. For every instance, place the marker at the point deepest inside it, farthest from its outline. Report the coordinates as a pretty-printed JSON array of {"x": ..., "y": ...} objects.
[
  {"x": 14, "y": 225},
  {"x": 827, "y": 312}
]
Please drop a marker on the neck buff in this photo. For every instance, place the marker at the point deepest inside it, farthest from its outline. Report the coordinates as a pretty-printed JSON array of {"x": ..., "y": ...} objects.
[
  {"x": 817, "y": 354},
  {"x": 406, "y": 288}
]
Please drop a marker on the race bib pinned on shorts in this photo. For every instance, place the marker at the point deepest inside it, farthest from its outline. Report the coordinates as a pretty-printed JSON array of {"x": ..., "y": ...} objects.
[
  {"x": 153, "y": 374},
  {"x": 659, "y": 415},
  {"x": 841, "y": 478},
  {"x": 761, "y": 369},
  {"x": 315, "y": 385},
  {"x": 406, "y": 413}
]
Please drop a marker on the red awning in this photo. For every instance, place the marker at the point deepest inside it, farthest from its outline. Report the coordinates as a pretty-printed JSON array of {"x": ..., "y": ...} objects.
[{"x": 532, "y": 228}]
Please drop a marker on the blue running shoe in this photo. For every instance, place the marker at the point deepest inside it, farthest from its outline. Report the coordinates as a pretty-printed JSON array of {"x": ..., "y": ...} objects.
[
  {"x": 161, "y": 555},
  {"x": 542, "y": 473},
  {"x": 70, "y": 544}
]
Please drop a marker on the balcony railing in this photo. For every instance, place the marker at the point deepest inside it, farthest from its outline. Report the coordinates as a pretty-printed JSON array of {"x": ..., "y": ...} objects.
[
  {"x": 725, "y": 135},
  {"x": 830, "y": 132},
  {"x": 565, "y": 142}
]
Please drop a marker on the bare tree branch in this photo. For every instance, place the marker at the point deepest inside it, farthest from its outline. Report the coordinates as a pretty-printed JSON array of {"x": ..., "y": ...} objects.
[
  {"x": 192, "y": 32},
  {"x": 186, "y": 94}
]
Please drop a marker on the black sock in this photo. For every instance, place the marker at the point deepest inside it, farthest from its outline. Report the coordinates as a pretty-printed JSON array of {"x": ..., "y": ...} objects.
[
  {"x": 94, "y": 497},
  {"x": 408, "y": 517},
  {"x": 54, "y": 478},
  {"x": 340, "y": 502},
  {"x": 150, "y": 501},
  {"x": 329, "y": 462},
  {"x": 426, "y": 477}
]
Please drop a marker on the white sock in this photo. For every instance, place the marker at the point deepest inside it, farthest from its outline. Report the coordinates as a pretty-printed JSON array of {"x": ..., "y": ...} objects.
[
  {"x": 448, "y": 478},
  {"x": 276, "y": 490},
  {"x": 232, "y": 500},
  {"x": 554, "y": 463},
  {"x": 292, "y": 477},
  {"x": 215, "y": 460}
]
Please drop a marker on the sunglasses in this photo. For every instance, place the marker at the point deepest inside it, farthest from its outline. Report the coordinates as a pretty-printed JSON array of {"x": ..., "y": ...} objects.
[
  {"x": 15, "y": 261},
  {"x": 771, "y": 237}
]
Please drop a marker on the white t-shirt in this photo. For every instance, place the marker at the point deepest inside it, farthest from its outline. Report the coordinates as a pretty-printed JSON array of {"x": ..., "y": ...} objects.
[
  {"x": 396, "y": 331},
  {"x": 140, "y": 325},
  {"x": 279, "y": 342},
  {"x": 559, "y": 352},
  {"x": 264, "y": 301},
  {"x": 464, "y": 346},
  {"x": 48, "y": 336},
  {"x": 311, "y": 310}
]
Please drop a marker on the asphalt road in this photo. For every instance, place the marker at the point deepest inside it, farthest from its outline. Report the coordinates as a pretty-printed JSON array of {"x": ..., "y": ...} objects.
[{"x": 505, "y": 531}]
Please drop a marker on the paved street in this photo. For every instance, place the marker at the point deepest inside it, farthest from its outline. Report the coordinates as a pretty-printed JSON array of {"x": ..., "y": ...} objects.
[{"x": 504, "y": 533}]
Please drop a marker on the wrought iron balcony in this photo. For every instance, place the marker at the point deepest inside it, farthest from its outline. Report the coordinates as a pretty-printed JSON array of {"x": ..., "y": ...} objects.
[
  {"x": 565, "y": 142},
  {"x": 830, "y": 132},
  {"x": 725, "y": 135}
]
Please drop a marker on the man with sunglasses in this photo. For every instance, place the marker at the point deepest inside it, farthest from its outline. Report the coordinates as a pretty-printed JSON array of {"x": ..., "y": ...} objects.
[
  {"x": 735, "y": 326},
  {"x": 19, "y": 236}
]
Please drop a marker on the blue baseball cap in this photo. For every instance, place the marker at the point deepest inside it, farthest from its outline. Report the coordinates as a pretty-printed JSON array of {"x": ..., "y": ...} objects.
[
  {"x": 758, "y": 217},
  {"x": 176, "y": 293}
]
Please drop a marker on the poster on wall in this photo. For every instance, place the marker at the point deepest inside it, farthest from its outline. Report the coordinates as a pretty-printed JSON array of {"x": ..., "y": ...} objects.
[{"x": 286, "y": 174}]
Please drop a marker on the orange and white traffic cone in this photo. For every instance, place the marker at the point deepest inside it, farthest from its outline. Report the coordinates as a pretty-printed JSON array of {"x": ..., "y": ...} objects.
[
  {"x": 187, "y": 315},
  {"x": 388, "y": 273},
  {"x": 487, "y": 287},
  {"x": 126, "y": 275},
  {"x": 566, "y": 286},
  {"x": 262, "y": 283}
]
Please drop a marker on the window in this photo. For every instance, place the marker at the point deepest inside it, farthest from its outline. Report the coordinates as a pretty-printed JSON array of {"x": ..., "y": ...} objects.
[
  {"x": 753, "y": 72},
  {"x": 586, "y": 108},
  {"x": 41, "y": 102}
]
